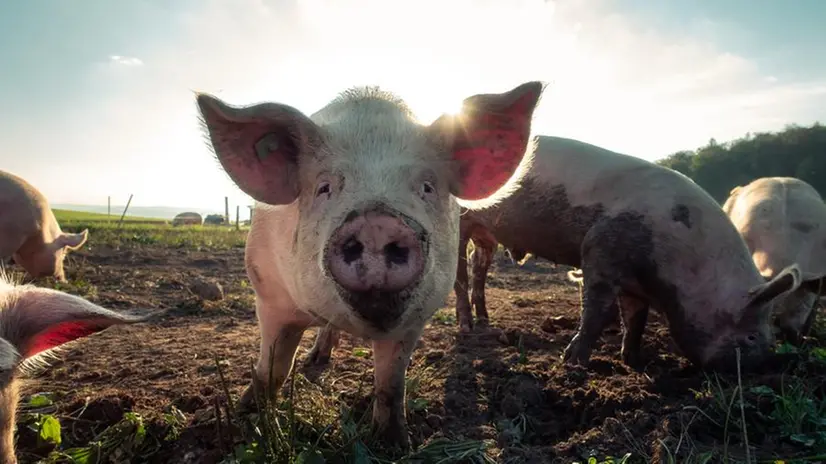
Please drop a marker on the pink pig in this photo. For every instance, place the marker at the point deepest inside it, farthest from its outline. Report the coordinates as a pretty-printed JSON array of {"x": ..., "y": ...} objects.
[
  {"x": 29, "y": 231},
  {"x": 356, "y": 224}
]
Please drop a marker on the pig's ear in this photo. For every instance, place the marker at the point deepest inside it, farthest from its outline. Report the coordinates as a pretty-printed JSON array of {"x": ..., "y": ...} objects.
[
  {"x": 258, "y": 146},
  {"x": 73, "y": 241},
  {"x": 488, "y": 138},
  {"x": 788, "y": 280},
  {"x": 39, "y": 319}
]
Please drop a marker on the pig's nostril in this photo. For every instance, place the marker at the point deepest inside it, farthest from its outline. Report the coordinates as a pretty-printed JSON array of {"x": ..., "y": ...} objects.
[
  {"x": 352, "y": 250},
  {"x": 396, "y": 254}
]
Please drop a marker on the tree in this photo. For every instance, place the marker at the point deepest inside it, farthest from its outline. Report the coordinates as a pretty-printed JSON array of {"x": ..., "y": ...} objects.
[{"x": 795, "y": 152}]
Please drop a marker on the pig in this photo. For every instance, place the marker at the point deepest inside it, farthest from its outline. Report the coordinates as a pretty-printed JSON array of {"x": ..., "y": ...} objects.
[
  {"x": 356, "y": 218},
  {"x": 29, "y": 232},
  {"x": 783, "y": 222},
  {"x": 34, "y": 321},
  {"x": 642, "y": 236}
]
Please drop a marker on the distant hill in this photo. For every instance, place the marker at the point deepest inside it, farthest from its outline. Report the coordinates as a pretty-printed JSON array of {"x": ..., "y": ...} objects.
[{"x": 155, "y": 212}]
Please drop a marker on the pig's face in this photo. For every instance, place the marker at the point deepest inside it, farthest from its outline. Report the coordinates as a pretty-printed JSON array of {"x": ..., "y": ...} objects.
[
  {"x": 377, "y": 231},
  {"x": 752, "y": 333},
  {"x": 49, "y": 263},
  {"x": 46, "y": 260}
]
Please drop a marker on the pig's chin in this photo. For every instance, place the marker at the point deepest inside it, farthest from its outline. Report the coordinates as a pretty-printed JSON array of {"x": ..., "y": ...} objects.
[{"x": 381, "y": 312}]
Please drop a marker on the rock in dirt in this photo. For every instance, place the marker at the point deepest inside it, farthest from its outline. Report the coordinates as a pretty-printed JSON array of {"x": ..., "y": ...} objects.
[
  {"x": 207, "y": 290},
  {"x": 553, "y": 324}
]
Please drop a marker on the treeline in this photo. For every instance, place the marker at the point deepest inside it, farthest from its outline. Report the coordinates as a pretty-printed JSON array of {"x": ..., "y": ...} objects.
[{"x": 795, "y": 152}]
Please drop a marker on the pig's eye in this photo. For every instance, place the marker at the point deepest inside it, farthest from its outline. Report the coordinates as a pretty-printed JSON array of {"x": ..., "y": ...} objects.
[
  {"x": 323, "y": 189},
  {"x": 427, "y": 189}
]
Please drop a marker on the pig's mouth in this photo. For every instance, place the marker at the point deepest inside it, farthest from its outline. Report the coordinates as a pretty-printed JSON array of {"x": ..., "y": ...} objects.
[
  {"x": 377, "y": 258},
  {"x": 381, "y": 309}
]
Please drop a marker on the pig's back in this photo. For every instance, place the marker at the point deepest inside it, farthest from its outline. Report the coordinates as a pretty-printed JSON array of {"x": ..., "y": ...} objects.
[
  {"x": 693, "y": 242},
  {"x": 21, "y": 205},
  {"x": 571, "y": 185}
]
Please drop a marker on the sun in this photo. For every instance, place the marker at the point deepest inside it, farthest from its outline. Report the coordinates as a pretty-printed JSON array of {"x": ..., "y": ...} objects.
[
  {"x": 437, "y": 107},
  {"x": 453, "y": 108}
]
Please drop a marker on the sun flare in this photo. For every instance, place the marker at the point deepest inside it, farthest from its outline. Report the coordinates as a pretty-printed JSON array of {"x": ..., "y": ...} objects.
[{"x": 430, "y": 110}]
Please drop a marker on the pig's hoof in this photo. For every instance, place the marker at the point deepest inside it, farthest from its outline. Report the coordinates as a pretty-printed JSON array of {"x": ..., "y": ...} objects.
[
  {"x": 317, "y": 358},
  {"x": 482, "y": 322},
  {"x": 631, "y": 359},
  {"x": 575, "y": 354},
  {"x": 247, "y": 403},
  {"x": 465, "y": 327},
  {"x": 394, "y": 437}
]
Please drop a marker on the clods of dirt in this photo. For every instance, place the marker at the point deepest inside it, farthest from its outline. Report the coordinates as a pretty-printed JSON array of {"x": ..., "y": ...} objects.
[{"x": 208, "y": 290}]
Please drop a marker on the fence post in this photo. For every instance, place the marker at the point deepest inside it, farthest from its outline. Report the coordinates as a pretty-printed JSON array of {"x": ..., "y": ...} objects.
[
  {"x": 226, "y": 210},
  {"x": 124, "y": 210},
  {"x": 237, "y": 217}
]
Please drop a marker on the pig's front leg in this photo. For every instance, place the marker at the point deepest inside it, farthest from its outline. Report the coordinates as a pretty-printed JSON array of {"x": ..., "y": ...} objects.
[
  {"x": 390, "y": 359},
  {"x": 281, "y": 329}
]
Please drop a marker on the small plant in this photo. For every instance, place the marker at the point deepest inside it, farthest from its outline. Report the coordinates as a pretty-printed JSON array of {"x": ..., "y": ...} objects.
[
  {"x": 608, "y": 460},
  {"x": 123, "y": 441},
  {"x": 800, "y": 416},
  {"x": 444, "y": 317}
]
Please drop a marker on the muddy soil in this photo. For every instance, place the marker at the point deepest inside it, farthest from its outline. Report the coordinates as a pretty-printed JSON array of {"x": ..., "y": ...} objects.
[{"x": 504, "y": 384}]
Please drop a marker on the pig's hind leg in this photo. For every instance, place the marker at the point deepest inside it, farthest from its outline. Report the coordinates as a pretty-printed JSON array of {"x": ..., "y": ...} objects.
[
  {"x": 599, "y": 309},
  {"x": 615, "y": 252},
  {"x": 605, "y": 265},
  {"x": 634, "y": 313}
]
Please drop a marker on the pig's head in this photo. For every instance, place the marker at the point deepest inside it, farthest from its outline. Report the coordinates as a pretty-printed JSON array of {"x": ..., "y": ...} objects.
[
  {"x": 375, "y": 191},
  {"x": 46, "y": 259},
  {"x": 752, "y": 332},
  {"x": 32, "y": 321},
  {"x": 792, "y": 315}
]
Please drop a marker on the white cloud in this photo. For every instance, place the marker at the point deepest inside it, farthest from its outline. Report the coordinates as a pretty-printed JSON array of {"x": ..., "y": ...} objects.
[
  {"x": 126, "y": 60},
  {"x": 613, "y": 82}
]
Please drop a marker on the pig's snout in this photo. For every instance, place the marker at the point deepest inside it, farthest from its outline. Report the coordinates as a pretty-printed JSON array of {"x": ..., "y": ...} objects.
[{"x": 375, "y": 252}]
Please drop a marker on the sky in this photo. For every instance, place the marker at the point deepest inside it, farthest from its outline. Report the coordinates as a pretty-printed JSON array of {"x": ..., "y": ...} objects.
[{"x": 97, "y": 97}]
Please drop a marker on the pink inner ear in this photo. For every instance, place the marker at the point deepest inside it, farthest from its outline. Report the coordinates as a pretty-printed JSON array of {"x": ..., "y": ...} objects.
[
  {"x": 491, "y": 150},
  {"x": 59, "y": 334}
]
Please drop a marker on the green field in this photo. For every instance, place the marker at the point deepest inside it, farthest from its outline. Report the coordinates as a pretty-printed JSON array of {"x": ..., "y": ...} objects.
[
  {"x": 64, "y": 215},
  {"x": 108, "y": 231}
]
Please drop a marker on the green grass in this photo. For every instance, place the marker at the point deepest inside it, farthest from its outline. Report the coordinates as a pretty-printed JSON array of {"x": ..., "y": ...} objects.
[
  {"x": 136, "y": 231},
  {"x": 160, "y": 235},
  {"x": 68, "y": 216}
]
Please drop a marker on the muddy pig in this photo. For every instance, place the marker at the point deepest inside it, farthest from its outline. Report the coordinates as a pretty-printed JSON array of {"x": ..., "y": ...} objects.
[
  {"x": 356, "y": 217},
  {"x": 29, "y": 232},
  {"x": 783, "y": 221},
  {"x": 33, "y": 321},
  {"x": 642, "y": 235}
]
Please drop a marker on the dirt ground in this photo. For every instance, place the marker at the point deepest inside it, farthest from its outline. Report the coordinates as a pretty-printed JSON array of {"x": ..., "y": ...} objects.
[{"x": 504, "y": 384}]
